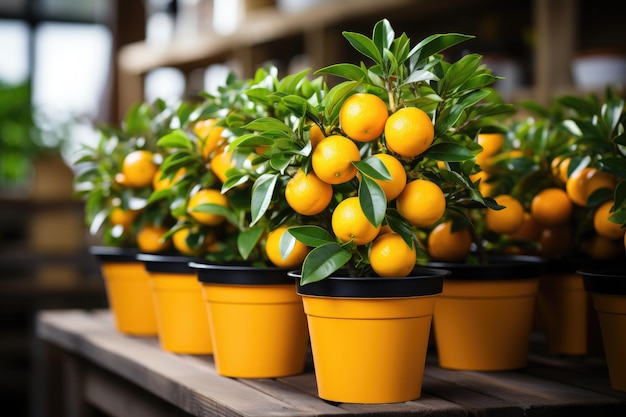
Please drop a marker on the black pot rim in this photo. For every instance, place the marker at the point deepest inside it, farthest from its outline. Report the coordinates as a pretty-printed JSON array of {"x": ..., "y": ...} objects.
[
  {"x": 572, "y": 265},
  {"x": 166, "y": 263},
  {"x": 604, "y": 280},
  {"x": 114, "y": 253},
  {"x": 211, "y": 273},
  {"x": 421, "y": 282},
  {"x": 499, "y": 268}
]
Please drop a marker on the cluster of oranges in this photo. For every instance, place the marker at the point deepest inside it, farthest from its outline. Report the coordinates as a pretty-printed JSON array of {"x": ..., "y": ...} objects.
[
  {"x": 364, "y": 120},
  {"x": 548, "y": 218},
  {"x": 142, "y": 169}
]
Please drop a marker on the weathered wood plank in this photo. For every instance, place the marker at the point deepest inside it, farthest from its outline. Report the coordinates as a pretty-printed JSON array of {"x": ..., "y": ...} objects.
[
  {"x": 549, "y": 386},
  {"x": 184, "y": 383}
]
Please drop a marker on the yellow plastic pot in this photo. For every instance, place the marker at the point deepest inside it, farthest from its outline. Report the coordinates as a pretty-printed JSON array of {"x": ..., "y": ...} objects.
[
  {"x": 182, "y": 319},
  {"x": 369, "y": 339},
  {"x": 563, "y": 305},
  {"x": 257, "y": 321},
  {"x": 608, "y": 292},
  {"x": 128, "y": 290},
  {"x": 483, "y": 318}
]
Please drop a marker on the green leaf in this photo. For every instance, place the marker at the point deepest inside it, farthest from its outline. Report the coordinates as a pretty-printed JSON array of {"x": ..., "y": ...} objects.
[
  {"x": 448, "y": 152},
  {"x": 323, "y": 261},
  {"x": 211, "y": 208},
  {"x": 248, "y": 239},
  {"x": 373, "y": 200},
  {"x": 383, "y": 35},
  {"x": 420, "y": 75},
  {"x": 97, "y": 221},
  {"x": 262, "y": 192},
  {"x": 398, "y": 224},
  {"x": 619, "y": 197},
  {"x": 335, "y": 97},
  {"x": 312, "y": 236},
  {"x": 373, "y": 167},
  {"x": 264, "y": 124},
  {"x": 290, "y": 83},
  {"x": 286, "y": 245},
  {"x": 347, "y": 71},
  {"x": 612, "y": 113},
  {"x": 364, "y": 45},
  {"x": 299, "y": 106},
  {"x": 176, "y": 139},
  {"x": 435, "y": 44}
]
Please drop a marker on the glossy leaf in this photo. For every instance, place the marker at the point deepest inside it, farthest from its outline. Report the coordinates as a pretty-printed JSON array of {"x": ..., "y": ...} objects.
[
  {"x": 373, "y": 167},
  {"x": 264, "y": 124},
  {"x": 347, "y": 71},
  {"x": 448, "y": 152},
  {"x": 248, "y": 239},
  {"x": 373, "y": 200},
  {"x": 176, "y": 139},
  {"x": 312, "y": 236},
  {"x": 364, "y": 45},
  {"x": 323, "y": 261},
  {"x": 437, "y": 43},
  {"x": 262, "y": 192}
]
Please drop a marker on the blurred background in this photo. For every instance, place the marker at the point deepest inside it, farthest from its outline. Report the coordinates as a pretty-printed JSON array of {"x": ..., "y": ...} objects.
[{"x": 67, "y": 66}]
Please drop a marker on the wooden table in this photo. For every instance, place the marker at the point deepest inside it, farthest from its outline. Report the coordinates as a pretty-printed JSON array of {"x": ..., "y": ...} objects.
[{"x": 98, "y": 368}]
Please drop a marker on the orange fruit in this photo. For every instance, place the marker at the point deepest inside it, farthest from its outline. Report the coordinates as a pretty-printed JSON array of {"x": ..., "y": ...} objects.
[
  {"x": 390, "y": 256},
  {"x": 605, "y": 227},
  {"x": 491, "y": 142},
  {"x": 530, "y": 229},
  {"x": 138, "y": 169},
  {"x": 124, "y": 218},
  {"x": 221, "y": 162},
  {"x": 210, "y": 136},
  {"x": 559, "y": 167},
  {"x": 272, "y": 248},
  {"x": 315, "y": 135},
  {"x": 585, "y": 182},
  {"x": 163, "y": 183},
  {"x": 150, "y": 238},
  {"x": 362, "y": 117},
  {"x": 396, "y": 184},
  {"x": 332, "y": 159},
  {"x": 551, "y": 206},
  {"x": 555, "y": 241},
  {"x": 206, "y": 196},
  {"x": 179, "y": 239},
  {"x": 447, "y": 246},
  {"x": 409, "y": 132},
  {"x": 349, "y": 223},
  {"x": 421, "y": 203},
  {"x": 507, "y": 220},
  {"x": 307, "y": 194}
]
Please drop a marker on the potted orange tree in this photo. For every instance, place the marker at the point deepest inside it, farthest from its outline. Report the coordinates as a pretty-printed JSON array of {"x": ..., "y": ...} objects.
[
  {"x": 598, "y": 177},
  {"x": 115, "y": 177},
  {"x": 355, "y": 173},
  {"x": 257, "y": 321}
]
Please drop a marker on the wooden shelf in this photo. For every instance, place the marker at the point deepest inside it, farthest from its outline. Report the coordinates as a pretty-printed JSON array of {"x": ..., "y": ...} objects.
[{"x": 106, "y": 370}]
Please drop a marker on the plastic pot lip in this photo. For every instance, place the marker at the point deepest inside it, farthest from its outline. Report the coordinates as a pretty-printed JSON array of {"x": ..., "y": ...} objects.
[
  {"x": 114, "y": 253},
  {"x": 166, "y": 263},
  {"x": 210, "y": 273},
  {"x": 607, "y": 280},
  {"x": 421, "y": 282},
  {"x": 499, "y": 268}
]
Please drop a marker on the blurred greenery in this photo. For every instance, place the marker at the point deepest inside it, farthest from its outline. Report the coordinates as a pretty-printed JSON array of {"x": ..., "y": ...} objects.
[{"x": 21, "y": 138}]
